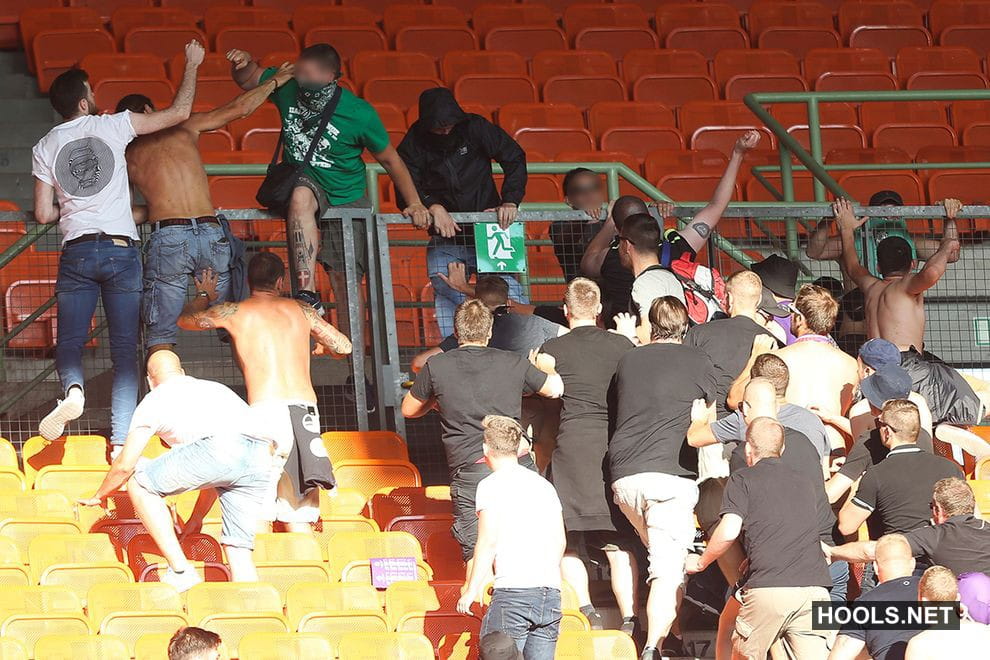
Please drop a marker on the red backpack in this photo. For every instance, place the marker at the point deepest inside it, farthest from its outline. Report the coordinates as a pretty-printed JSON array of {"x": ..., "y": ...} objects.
[{"x": 704, "y": 288}]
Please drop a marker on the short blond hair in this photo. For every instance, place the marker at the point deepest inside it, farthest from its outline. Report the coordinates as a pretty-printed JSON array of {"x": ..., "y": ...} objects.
[
  {"x": 938, "y": 583},
  {"x": 582, "y": 299},
  {"x": 902, "y": 418},
  {"x": 954, "y": 496},
  {"x": 473, "y": 322},
  {"x": 818, "y": 308},
  {"x": 503, "y": 435}
]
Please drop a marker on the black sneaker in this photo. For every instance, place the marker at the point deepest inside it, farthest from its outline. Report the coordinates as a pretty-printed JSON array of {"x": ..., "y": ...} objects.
[
  {"x": 672, "y": 647},
  {"x": 630, "y": 626},
  {"x": 313, "y": 300},
  {"x": 370, "y": 394},
  {"x": 595, "y": 620}
]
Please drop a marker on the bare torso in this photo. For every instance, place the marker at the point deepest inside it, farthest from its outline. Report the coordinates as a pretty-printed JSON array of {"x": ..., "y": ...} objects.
[
  {"x": 272, "y": 343},
  {"x": 894, "y": 314},
  {"x": 938, "y": 644},
  {"x": 166, "y": 168}
]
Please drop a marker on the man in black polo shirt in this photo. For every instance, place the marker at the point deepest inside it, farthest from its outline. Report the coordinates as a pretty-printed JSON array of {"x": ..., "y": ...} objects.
[
  {"x": 465, "y": 385},
  {"x": 957, "y": 540},
  {"x": 894, "y": 494},
  {"x": 894, "y": 567},
  {"x": 653, "y": 469},
  {"x": 771, "y": 506}
]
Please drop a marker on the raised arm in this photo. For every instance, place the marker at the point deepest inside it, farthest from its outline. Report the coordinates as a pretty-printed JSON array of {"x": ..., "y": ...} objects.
[
  {"x": 178, "y": 112},
  {"x": 243, "y": 69},
  {"x": 848, "y": 224},
  {"x": 325, "y": 334},
  {"x": 45, "y": 211},
  {"x": 701, "y": 226},
  {"x": 947, "y": 253},
  {"x": 822, "y": 246},
  {"x": 594, "y": 254},
  {"x": 240, "y": 107}
]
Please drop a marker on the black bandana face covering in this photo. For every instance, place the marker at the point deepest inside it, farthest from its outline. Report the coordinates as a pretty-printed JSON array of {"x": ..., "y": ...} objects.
[{"x": 312, "y": 99}]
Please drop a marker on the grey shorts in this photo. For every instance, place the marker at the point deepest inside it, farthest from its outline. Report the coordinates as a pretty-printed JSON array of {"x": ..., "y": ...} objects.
[
  {"x": 238, "y": 467},
  {"x": 332, "y": 237}
]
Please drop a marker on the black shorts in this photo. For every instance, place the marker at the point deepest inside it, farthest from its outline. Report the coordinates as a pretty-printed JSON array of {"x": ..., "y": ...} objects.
[
  {"x": 579, "y": 542},
  {"x": 331, "y": 253}
]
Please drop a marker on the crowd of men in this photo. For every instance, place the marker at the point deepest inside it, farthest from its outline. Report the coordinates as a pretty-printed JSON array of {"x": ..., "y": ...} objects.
[{"x": 651, "y": 403}]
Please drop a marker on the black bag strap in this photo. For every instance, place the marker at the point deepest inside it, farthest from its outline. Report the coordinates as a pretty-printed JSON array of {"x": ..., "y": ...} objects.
[{"x": 327, "y": 113}]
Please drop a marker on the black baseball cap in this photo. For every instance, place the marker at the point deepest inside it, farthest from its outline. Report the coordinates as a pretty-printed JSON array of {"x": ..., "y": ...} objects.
[
  {"x": 887, "y": 198},
  {"x": 770, "y": 306}
]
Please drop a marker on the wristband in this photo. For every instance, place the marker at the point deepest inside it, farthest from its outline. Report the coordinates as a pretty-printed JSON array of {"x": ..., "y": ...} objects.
[{"x": 204, "y": 294}]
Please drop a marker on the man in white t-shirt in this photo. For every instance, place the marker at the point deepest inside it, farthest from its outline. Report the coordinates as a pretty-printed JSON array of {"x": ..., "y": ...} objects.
[
  {"x": 207, "y": 425},
  {"x": 80, "y": 181},
  {"x": 521, "y": 533}
]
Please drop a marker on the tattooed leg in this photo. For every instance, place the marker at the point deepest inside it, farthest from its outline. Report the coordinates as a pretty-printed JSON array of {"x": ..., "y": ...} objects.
[{"x": 304, "y": 236}]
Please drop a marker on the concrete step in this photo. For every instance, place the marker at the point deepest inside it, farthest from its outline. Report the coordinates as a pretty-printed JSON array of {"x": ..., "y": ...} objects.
[
  {"x": 18, "y": 186},
  {"x": 13, "y": 62},
  {"x": 18, "y": 86},
  {"x": 27, "y": 110},
  {"x": 15, "y": 160},
  {"x": 24, "y": 134}
]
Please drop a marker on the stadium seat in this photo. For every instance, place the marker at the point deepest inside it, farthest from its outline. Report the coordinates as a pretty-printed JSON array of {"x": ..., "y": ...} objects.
[
  {"x": 551, "y": 141},
  {"x": 889, "y": 39},
  {"x": 269, "y": 645},
  {"x": 286, "y": 558},
  {"x": 435, "y": 625},
  {"x": 347, "y": 548},
  {"x": 640, "y": 62},
  {"x": 757, "y": 192},
  {"x": 799, "y": 14},
  {"x": 661, "y": 162},
  {"x": 36, "y": 599},
  {"x": 121, "y": 66},
  {"x": 943, "y": 154},
  {"x": 945, "y": 15},
  {"x": 76, "y": 481},
  {"x": 458, "y": 63},
  {"x": 839, "y": 125},
  {"x": 10, "y": 648},
  {"x": 8, "y": 455},
  {"x": 551, "y": 63},
  {"x": 445, "y": 556},
  {"x": 673, "y": 89},
  {"x": 197, "y": 7},
  {"x": 128, "y": 611},
  {"x": 28, "y": 629},
  {"x": 935, "y": 61},
  {"x": 948, "y": 80},
  {"x": 604, "y": 115},
  {"x": 876, "y": 113},
  {"x": 360, "y": 445},
  {"x": 21, "y": 300},
  {"x": 798, "y": 40},
  {"x": 121, "y": 531},
  {"x": 527, "y": 40},
  {"x": 492, "y": 90},
  {"x": 234, "y": 192},
  {"x": 975, "y": 37},
  {"x": 258, "y": 40},
  {"x": 981, "y": 489},
  {"x": 392, "y": 503},
  {"x": 579, "y": 16},
  {"x": 332, "y": 625},
  {"x": 674, "y": 16},
  {"x": 888, "y": 154},
  {"x": 641, "y": 140},
  {"x": 24, "y": 529},
  {"x": 572, "y": 645},
  {"x": 369, "y": 476},
  {"x": 11, "y": 12},
  {"x": 699, "y": 114},
  {"x": 309, "y": 16},
  {"x": 488, "y": 16},
  {"x": 707, "y": 40},
  {"x": 148, "y": 564},
  {"x": 332, "y": 523},
  {"x": 435, "y": 40},
  {"x": 821, "y": 62},
  {"x": 616, "y": 41},
  {"x": 35, "y": 504},
  {"x": 739, "y": 72},
  {"x": 422, "y": 526},
  {"x": 162, "y": 41},
  {"x": 515, "y": 116},
  {"x": 969, "y": 186},
  {"x": 347, "y": 39},
  {"x": 34, "y": 20},
  {"x": 877, "y": 12},
  {"x": 215, "y": 65},
  {"x": 209, "y": 599},
  {"x": 218, "y": 17},
  {"x": 12, "y": 570},
  {"x": 72, "y": 450},
  {"x": 126, "y": 18},
  {"x": 977, "y": 134},
  {"x": 693, "y": 187},
  {"x": 912, "y": 137},
  {"x": 75, "y": 561},
  {"x": 408, "y": 646},
  {"x": 11, "y": 478},
  {"x": 55, "y": 51},
  {"x": 401, "y": 15},
  {"x": 109, "y": 91},
  {"x": 375, "y": 65},
  {"x": 584, "y": 90},
  {"x": 303, "y": 598},
  {"x": 862, "y": 185}
]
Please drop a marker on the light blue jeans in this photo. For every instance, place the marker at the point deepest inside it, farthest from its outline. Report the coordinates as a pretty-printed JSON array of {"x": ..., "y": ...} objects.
[
  {"x": 172, "y": 255},
  {"x": 531, "y": 617},
  {"x": 240, "y": 468},
  {"x": 443, "y": 251}
]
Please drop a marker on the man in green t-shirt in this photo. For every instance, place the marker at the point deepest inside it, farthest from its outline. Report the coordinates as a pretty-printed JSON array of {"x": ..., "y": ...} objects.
[
  {"x": 823, "y": 247},
  {"x": 336, "y": 175}
]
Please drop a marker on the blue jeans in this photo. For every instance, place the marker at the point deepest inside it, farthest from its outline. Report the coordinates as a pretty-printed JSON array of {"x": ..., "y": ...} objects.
[
  {"x": 529, "y": 616},
  {"x": 88, "y": 272},
  {"x": 442, "y": 251},
  {"x": 839, "y": 571},
  {"x": 172, "y": 255}
]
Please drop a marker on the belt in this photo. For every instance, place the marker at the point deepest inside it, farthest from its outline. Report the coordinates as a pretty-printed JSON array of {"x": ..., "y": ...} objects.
[
  {"x": 186, "y": 222},
  {"x": 100, "y": 236}
]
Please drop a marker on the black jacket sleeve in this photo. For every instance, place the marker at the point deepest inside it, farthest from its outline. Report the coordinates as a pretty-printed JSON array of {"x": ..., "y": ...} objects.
[
  {"x": 501, "y": 148},
  {"x": 412, "y": 155}
]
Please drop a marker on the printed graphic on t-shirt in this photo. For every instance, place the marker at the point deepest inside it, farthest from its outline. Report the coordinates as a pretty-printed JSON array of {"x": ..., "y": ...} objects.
[
  {"x": 84, "y": 167},
  {"x": 298, "y": 136}
]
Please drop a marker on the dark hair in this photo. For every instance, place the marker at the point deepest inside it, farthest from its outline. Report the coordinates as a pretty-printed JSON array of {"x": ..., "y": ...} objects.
[
  {"x": 264, "y": 271},
  {"x": 668, "y": 318},
  {"x": 893, "y": 255},
  {"x": 497, "y": 645},
  {"x": 134, "y": 103},
  {"x": 831, "y": 285},
  {"x": 492, "y": 290},
  {"x": 626, "y": 206},
  {"x": 323, "y": 54},
  {"x": 189, "y": 642},
  {"x": 573, "y": 174},
  {"x": 642, "y": 232},
  {"x": 67, "y": 90}
]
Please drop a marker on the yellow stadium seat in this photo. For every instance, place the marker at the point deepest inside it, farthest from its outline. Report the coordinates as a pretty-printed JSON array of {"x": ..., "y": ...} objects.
[
  {"x": 278, "y": 646},
  {"x": 286, "y": 558},
  {"x": 12, "y": 570},
  {"x": 29, "y": 628},
  {"x": 129, "y": 611},
  {"x": 23, "y": 530},
  {"x": 458, "y": 646},
  {"x": 373, "y": 646},
  {"x": 8, "y": 455},
  {"x": 364, "y": 445},
  {"x": 334, "y": 625},
  {"x": 347, "y": 547},
  {"x": 593, "y": 644},
  {"x": 12, "y": 649},
  {"x": 573, "y": 620},
  {"x": 35, "y": 599},
  {"x": 370, "y": 476},
  {"x": 341, "y": 502},
  {"x": 306, "y": 597},
  {"x": 982, "y": 469},
  {"x": 402, "y": 598},
  {"x": 131, "y": 626},
  {"x": 327, "y": 527},
  {"x": 74, "y": 450},
  {"x": 76, "y": 561},
  {"x": 81, "y": 647},
  {"x": 981, "y": 490},
  {"x": 35, "y": 504},
  {"x": 232, "y": 627},
  {"x": 211, "y": 598},
  {"x": 152, "y": 646},
  {"x": 435, "y": 625},
  {"x": 11, "y": 478},
  {"x": 76, "y": 481}
]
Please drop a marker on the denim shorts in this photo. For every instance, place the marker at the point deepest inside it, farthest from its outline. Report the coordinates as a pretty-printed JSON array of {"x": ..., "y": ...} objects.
[{"x": 238, "y": 467}]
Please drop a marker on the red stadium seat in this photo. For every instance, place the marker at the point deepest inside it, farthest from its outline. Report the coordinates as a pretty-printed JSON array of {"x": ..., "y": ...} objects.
[
  {"x": 435, "y": 40},
  {"x": 219, "y": 17},
  {"x": 514, "y": 116},
  {"x": 553, "y": 140},
  {"x": 403, "y": 91},
  {"x": 798, "y": 40},
  {"x": 947, "y": 80},
  {"x": 838, "y": 124},
  {"x": 662, "y": 162},
  {"x": 707, "y": 41},
  {"x": 376, "y": 6},
  {"x": 977, "y": 134},
  {"x": 213, "y": 92},
  {"x": 21, "y": 300},
  {"x": 974, "y": 37},
  {"x": 804, "y": 190},
  {"x": 877, "y": 12},
  {"x": 347, "y": 39},
  {"x": 693, "y": 187},
  {"x": 944, "y": 15},
  {"x": 163, "y": 42},
  {"x": 583, "y": 91},
  {"x": 889, "y": 39},
  {"x": 490, "y": 16},
  {"x": 935, "y": 61},
  {"x": 121, "y": 66},
  {"x": 56, "y": 51},
  {"x": 969, "y": 187},
  {"x": 264, "y": 117},
  {"x": 482, "y": 62},
  {"x": 234, "y": 192},
  {"x": 797, "y": 14},
  {"x": 579, "y": 16},
  {"x": 874, "y": 113},
  {"x": 548, "y": 64},
  {"x": 527, "y": 40},
  {"x": 964, "y": 113},
  {"x": 794, "y": 114},
  {"x": 310, "y": 16},
  {"x": 604, "y": 115},
  {"x": 638, "y": 63},
  {"x": 214, "y": 65},
  {"x": 674, "y": 89},
  {"x": 641, "y": 140},
  {"x": 698, "y": 114},
  {"x": 399, "y": 15},
  {"x": 616, "y": 41},
  {"x": 366, "y": 66},
  {"x": 723, "y": 138},
  {"x": 911, "y": 137},
  {"x": 819, "y": 62},
  {"x": 494, "y": 90},
  {"x": 127, "y": 18},
  {"x": 848, "y": 81},
  {"x": 197, "y": 7},
  {"x": 257, "y": 40},
  {"x": 740, "y": 72},
  {"x": 392, "y": 116},
  {"x": 109, "y": 91},
  {"x": 862, "y": 185},
  {"x": 943, "y": 154},
  {"x": 217, "y": 140},
  {"x": 869, "y": 155},
  {"x": 10, "y": 13},
  {"x": 670, "y": 17},
  {"x": 35, "y": 19}
]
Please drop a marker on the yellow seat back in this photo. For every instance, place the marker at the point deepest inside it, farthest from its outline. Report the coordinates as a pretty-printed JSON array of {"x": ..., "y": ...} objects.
[{"x": 81, "y": 647}]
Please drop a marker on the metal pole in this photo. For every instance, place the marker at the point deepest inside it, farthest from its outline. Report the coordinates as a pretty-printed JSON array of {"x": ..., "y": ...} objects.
[
  {"x": 355, "y": 323},
  {"x": 815, "y": 142}
]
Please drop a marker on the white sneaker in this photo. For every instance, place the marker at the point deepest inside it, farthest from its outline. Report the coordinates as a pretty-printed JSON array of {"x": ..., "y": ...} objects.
[
  {"x": 183, "y": 581},
  {"x": 71, "y": 407}
]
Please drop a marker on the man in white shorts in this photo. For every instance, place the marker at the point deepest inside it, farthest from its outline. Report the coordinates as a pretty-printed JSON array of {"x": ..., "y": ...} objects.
[{"x": 271, "y": 339}]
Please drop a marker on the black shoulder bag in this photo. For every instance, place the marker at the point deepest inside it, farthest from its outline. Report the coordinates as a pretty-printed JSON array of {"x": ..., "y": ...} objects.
[{"x": 276, "y": 189}]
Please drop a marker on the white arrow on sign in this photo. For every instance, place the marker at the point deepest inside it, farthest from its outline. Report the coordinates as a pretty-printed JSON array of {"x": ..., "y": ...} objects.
[{"x": 501, "y": 265}]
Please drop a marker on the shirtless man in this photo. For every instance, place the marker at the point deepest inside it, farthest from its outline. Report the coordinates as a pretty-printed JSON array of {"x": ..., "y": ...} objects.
[
  {"x": 271, "y": 340},
  {"x": 938, "y": 584},
  {"x": 188, "y": 237},
  {"x": 895, "y": 311}
]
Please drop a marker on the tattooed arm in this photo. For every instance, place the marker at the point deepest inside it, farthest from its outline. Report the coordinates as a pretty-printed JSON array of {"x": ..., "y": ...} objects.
[
  {"x": 198, "y": 316},
  {"x": 326, "y": 336}
]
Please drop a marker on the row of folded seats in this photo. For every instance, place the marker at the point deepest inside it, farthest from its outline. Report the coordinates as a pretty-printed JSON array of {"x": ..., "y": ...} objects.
[{"x": 55, "y": 38}]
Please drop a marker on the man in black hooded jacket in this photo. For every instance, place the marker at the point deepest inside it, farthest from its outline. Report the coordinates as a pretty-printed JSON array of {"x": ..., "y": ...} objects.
[{"x": 449, "y": 154}]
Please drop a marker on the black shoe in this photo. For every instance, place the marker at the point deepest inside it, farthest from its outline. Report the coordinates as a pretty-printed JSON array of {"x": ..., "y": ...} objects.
[
  {"x": 672, "y": 647},
  {"x": 370, "y": 394},
  {"x": 630, "y": 626},
  {"x": 595, "y": 620},
  {"x": 313, "y": 300},
  {"x": 649, "y": 653}
]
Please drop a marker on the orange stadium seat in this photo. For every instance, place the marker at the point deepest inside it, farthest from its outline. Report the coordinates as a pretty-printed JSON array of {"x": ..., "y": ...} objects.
[
  {"x": 674, "y": 89},
  {"x": 527, "y": 40},
  {"x": 548, "y": 64},
  {"x": 347, "y": 39},
  {"x": 953, "y": 154},
  {"x": 551, "y": 141},
  {"x": 215, "y": 65},
  {"x": 821, "y": 62},
  {"x": 693, "y": 187},
  {"x": 127, "y": 18},
  {"x": 309, "y": 16},
  {"x": 977, "y": 134},
  {"x": 400, "y": 15},
  {"x": 974, "y": 37},
  {"x": 641, "y": 140},
  {"x": 877, "y": 12},
  {"x": 403, "y": 91},
  {"x": 698, "y": 114},
  {"x": 110, "y": 90},
  {"x": 35, "y": 19},
  {"x": 21, "y": 299},
  {"x": 938, "y": 61},
  {"x": 457, "y": 63},
  {"x": 861, "y": 185},
  {"x": 218, "y": 17},
  {"x": 234, "y": 192},
  {"x": 366, "y": 66},
  {"x": 435, "y": 40},
  {"x": 945, "y": 15},
  {"x": 258, "y": 40},
  {"x": 514, "y": 116},
  {"x": 10, "y": 13},
  {"x": 969, "y": 187},
  {"x": 739, "y": 72},
  {"x": 889, "y": 39},
  {"x": 164, "y": 42},
  {"x": 964, "y": 113},
  {"x": 875, "y": 113},
  {"x": 58, "y": 50},
  {"x": 491, "y": 90},
  {"x": 579, "y": 16},
  {"x": 912, "y": 137},
  {"x": 616, "y": 41},
  {"x": 641, "y": 62},
  {"x": 757, "y": 192},
  {"x": 707, "y": 41},
  {"x": 604, "y": 115},
  {"x": 370, "y": 476},
  {"x": 121, "y": 66},
  {"x": 392, "y": 116},
  {"x": 489, "y": 16},
  {"x": 798, "y": 40},
  {"x": 662, "y": 162},
  {"x": 868, "y": 156},
  {"x": 838, "y": 124},
  {"x": 583, "y": 91},
  {"x": 670, "y": 17},
  {"x": 798, "y": 14}
]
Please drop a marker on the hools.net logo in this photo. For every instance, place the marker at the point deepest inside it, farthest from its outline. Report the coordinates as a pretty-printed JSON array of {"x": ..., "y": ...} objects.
[{"x": 885, "y": 615}]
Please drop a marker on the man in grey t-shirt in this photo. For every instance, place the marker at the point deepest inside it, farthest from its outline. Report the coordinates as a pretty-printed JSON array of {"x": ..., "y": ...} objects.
[{"x": 639, "y": 245}]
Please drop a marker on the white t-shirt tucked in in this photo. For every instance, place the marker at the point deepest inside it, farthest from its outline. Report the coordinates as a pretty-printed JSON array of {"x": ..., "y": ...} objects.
[
  {"x": 654, "y": 283},
  {"x": 83, "y": 160},
  {"x": 185, "y": 409},
  {"x": 527, "y": 517}
]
